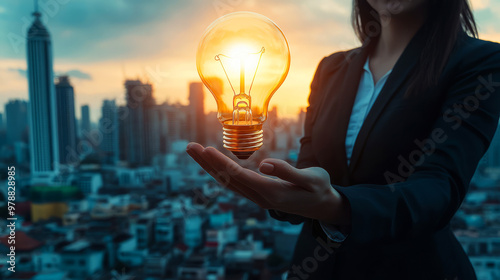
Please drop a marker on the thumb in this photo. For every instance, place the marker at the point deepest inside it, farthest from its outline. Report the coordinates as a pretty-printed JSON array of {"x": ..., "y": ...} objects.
[{"x": 285, "y": 171}]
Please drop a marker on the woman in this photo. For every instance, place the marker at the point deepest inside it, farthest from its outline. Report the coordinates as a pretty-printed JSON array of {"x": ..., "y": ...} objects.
[{"x": 393, "y": 134}]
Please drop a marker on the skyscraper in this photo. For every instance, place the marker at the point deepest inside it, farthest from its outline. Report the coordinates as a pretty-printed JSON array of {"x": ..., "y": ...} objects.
[
  {"x": 196, "y": 117},
  {"x": 271, "y": 125},
  {"x": 66, "y": 122},
  {"x": 141, "y": 138},
  {"x": 3, "y": 135},
  {"x": 172, "y": 124},
  {"x": 1, "y": 122},
  {"x": 16, "y": 113},
  {"x": 85, "y": 122},
  {"x": 123, "y": 132},
  {"x": 44, "y": 146},
  {"x": 108, "y": 125}
]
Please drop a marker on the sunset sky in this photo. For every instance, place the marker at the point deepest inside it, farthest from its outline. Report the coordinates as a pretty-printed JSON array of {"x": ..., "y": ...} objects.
[{"x": 101, "y": 43}]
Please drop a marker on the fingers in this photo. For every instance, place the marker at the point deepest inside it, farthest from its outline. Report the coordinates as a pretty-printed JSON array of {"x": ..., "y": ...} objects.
[
  {"x": 224, "y": 165},
  {"x": 283, "y": 170},
  {"x": 265, "y": 192},
  {"x": 196, "y": 151},
  {"x": 245, "y": 176}
]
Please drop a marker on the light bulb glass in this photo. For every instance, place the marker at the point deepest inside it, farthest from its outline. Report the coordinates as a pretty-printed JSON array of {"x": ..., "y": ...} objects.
[{"x": 243, "y": 58}]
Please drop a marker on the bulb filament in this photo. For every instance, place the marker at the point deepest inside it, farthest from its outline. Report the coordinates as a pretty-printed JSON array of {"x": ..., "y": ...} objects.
[{"x": 242, "y": 113}]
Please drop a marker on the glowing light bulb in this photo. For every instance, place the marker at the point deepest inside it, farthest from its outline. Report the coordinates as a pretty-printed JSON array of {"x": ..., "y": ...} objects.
[{"x": 243, "y": 58}]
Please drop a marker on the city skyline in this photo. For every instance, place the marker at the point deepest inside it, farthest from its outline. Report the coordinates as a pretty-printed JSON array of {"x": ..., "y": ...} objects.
[{"x": 158, "y": 46}]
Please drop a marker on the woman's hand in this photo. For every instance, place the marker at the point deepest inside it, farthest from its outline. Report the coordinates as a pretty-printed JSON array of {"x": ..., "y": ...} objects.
[{"x": 306, "y": 192}]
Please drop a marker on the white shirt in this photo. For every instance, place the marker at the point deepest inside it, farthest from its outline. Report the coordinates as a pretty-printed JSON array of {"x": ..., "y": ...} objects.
[{"x": 367, "y": 93}]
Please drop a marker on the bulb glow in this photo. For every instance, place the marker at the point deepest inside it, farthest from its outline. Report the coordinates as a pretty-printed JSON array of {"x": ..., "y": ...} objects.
[{"x": 243, "y": 58}]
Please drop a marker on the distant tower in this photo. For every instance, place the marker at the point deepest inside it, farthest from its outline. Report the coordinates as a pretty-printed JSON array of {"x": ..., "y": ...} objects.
[
  {"x": 175, "y": 123},
  {"x": 85, "y": 122},
  {"x": 196, "y": 117},
  {"x": 272, "y": 123},
  {"x": 16, "y": 113},
  {"x": 1, "y": 122},
  {"x": 141, "y": 137},
  {"x": 44, "y": 147},
  {"x": 108, "y": 125},
  {"x": 123, "y": 132},
  {"x": 66, "y": 119},
  {"x": 300, "y": 122}
]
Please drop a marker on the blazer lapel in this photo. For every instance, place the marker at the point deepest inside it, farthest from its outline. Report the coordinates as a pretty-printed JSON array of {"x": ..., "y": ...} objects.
[
  {"x": 334, "y": 119},
  {"x": 400, "y": 73}
]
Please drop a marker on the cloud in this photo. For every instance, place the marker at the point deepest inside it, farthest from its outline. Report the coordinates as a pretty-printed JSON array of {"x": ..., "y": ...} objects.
[
  {"x": 480, "y": 4},
  {"x": 74, "y": 73},
  {"x": 80, "y": 30},
  {"x": 21, "y": 71}
]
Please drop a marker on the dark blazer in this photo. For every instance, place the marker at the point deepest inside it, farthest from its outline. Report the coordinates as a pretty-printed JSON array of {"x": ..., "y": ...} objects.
[{"x": 410, "y": 168}]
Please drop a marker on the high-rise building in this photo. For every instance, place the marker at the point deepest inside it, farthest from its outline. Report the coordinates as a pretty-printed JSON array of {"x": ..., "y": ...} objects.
[
  {"x": 123, "y": 115},
  {"x": 1, "y": 122},
  {"x": 3, "y": 134},
  {"x": 270, "y": 128},
  {"x": 85, "y": 122},
  {"x": 156, "y": 131},
  {"x": 172, "y": 124},
  {"x": 16, "y": 112},
  {"x": 108, "y": 125},
  {"x": 44, "y": 147},
  {"x": 196, "y": 117},
  {"x": 141, "y": 138},
  {"x": 66, "y": 122}
]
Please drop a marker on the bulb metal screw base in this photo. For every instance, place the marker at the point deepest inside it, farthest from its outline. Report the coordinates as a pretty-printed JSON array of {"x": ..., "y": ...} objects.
[{"x": 242, "y": 140}]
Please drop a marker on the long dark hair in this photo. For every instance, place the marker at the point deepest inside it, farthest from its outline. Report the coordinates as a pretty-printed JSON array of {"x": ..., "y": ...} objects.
[{"x": 445, "y": 19}]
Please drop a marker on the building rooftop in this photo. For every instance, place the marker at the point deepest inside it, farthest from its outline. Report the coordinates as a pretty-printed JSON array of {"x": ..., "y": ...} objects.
[
  {"x": 23, "y": 275},
  {"x": 24, "y": 243},
  {"x": 37, "y": 29},
  {"x": 82, "y": 246}
]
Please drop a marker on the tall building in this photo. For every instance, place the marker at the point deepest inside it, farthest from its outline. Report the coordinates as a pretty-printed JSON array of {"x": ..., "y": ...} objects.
[
  {"x": 172, "y": 125},
  {"x": 16, "y": 112},
  {"x": 85, "y": 122},
  {"x": 1, "y": 122},
  {"x": 141, "y": 137},
  {"x": 178, "y": 126},
  {"x": 108, "y": 125},
  {"x": 196, "y": 117},
  {"x": 44, "y": 147},
  {"x": 271, "y": 125},
  {"x": 156, "y": 131},
  {"x": 66, "y": 121},
  {"x": 123, "y": 132}
]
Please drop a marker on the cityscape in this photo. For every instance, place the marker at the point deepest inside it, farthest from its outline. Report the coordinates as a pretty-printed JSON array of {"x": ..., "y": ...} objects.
[{"x": 119, "y": 198}]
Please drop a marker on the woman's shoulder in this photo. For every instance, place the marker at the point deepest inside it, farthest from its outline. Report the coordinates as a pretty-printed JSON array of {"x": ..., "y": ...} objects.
[
  {"x": 475, "y": 51},
  {"x": 335, "y": 60},
  {"x": 471, "y": 43}
]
